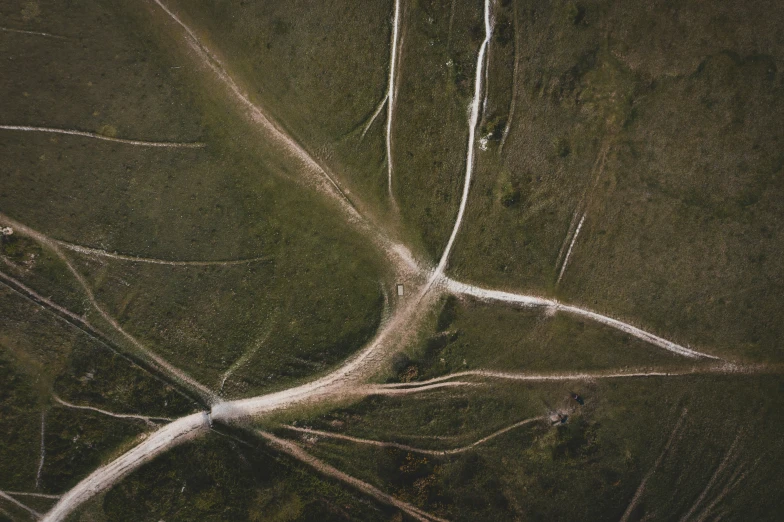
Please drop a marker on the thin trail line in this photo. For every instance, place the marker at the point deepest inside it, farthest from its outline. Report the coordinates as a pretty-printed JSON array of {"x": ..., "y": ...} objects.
[
  {"x": 155, "y": 261},
  {"x": 369, "y": 124},
  {"x": 569, "y": 252},
  {"x": 244, "y": 358},
  {"x": 163, "y": 364},
  {"x": 295, "y": 451},
  {"x": 12, "y": 500},
  {"x": 724, "y": 369},
  {"x": 257, "y": 115},
  {"x": 638, "y": 494},
  {"x": 36, "y": 33},
  {"x": 29, "y": 494},
  {"x": 472, "y": 125},
  {"x": 52, "y": 130},
  {"x": 77, "y": 322},
  {"x": 43, "y": 450},
  {"x": 569, "y": 233},
  {"x": 109, "y": 413},
  {"x": 510, "y": 114},
  {"x": 406, "y": 447}
]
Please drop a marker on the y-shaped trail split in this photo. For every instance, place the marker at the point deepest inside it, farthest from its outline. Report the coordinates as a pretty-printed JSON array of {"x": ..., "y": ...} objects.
[{"x": 138, "y": 143}]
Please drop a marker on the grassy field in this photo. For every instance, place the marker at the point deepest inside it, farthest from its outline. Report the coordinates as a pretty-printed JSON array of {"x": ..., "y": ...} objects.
[
  {"x": 586, "y": 469},
  {"x": 628, "y": 160},
  {"x": 673, "y": 162}
]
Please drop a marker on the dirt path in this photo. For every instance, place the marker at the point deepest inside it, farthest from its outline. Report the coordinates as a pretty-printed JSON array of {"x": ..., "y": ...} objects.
[
  {"x": 244, "y": 358},
  {"x": 405, "y": 447},
  {"x": 321, "y": 179},
  {"x": 722, "y": 369},
  {"x": 532, "y": 301},
  {"x": 138, "y": 143},
  {"x": 15, "y": 502},
  {"x": 43, "y": 451},
  {"x": 638, "y": 494},
  {"x": 322, "y": 467},
  {"x": 28, "y": 494},
  {"x": 160, "y": 362},
  {"x": 145, "y": 418},
  {"x": 104, "y": 477},
  {"x": 391, "y": 94},
  {"x": 472, "y": 124}
]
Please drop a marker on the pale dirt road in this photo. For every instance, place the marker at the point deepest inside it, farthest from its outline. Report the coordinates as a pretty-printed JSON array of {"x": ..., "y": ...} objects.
[{"x": 484, "y": 294}]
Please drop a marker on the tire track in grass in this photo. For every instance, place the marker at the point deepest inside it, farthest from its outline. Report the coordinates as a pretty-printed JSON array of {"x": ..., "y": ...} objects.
[
  {"x": 295, "y": 451},
  {"x": 405, "y": 447},
  {"x": 73, "y": 132},
  {"x": 641, "y": 489},
  {"x": 145, "y": 418},
  {"x": 34, "y": 33}
]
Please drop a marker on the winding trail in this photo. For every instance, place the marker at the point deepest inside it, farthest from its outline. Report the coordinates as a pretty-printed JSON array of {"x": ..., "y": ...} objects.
[
  {"x": 539, "y": 302},
  {"x": 300, "y": 454},
  {"x": 472, "y": 124},
  {"x": 138, "y": 143},
  {"x": 109, "y": 413},
  {"x": 244, "y": 358},
  {"x": 43, "y": 451},
  {"x": 405, "y": 447},
  {"x": 641, "y": 488},
  {"x": 391, "y": 91}
]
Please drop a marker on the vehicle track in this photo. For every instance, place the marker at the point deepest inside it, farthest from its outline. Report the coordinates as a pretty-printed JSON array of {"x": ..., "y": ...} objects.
[
  {"x": 406, "y": 447},
  {"x": 73, "y": 132}
]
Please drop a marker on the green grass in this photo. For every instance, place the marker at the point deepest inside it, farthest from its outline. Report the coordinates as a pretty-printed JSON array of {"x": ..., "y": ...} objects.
[
  {"x": 222, "y": 479},
  {"x": 587, "y": 469}
]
